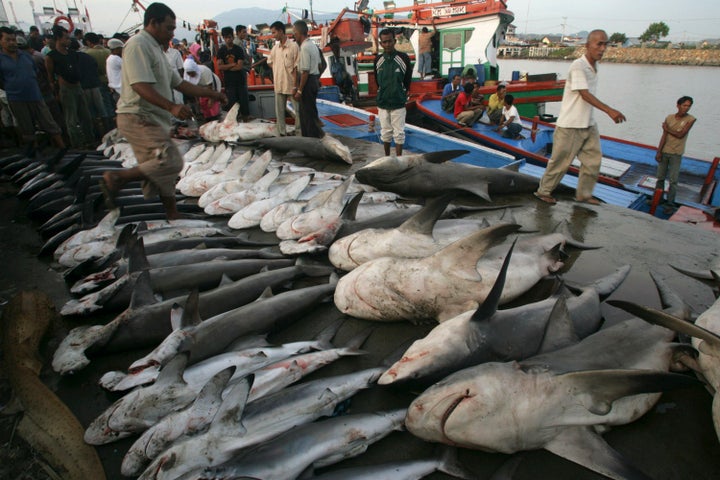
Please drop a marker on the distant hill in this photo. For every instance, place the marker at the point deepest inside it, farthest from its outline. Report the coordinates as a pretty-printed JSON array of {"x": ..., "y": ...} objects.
[{"x": 255, "y": 16}]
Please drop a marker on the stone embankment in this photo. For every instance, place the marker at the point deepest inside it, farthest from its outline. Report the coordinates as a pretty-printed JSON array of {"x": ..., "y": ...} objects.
[{"x": 700, "y": 57}]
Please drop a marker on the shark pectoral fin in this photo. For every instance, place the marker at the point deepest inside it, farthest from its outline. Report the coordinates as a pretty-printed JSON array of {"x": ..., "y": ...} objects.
[
  {"x": 711, "y": 341},
  {"x": 585, "y": 447},
  {"x": 443, "y": 155},
  {"x": 461, "y": 257},
  {"x": 478, "y": 188},
  {"x": 559, "y": 330},
  {"x": 424, "y": 220},
  {"x": 598, "y": 389},
  {"x": 172, "y": 372}
]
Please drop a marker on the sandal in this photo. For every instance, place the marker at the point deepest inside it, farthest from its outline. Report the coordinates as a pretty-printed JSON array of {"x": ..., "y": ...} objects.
[
  {"x": 589, "y": 201},
  {"x": 545, "y": 198}
]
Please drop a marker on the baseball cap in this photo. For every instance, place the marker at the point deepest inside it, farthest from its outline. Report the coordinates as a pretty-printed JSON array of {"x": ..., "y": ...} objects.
[
  {"x": 114, "y": 43},
  {"x": 175, "y": 41},
  {"x": 21, "y": 41}
]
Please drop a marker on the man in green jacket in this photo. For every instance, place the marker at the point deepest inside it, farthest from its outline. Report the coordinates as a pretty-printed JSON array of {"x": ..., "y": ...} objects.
[{"x": 393, "y": 74}]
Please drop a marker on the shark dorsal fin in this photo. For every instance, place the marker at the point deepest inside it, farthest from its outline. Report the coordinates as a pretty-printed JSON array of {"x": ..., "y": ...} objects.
[
  {"x": 490, "y": 305},
  {"x": 137, "y": 260},
  {"x": 191, "y": 313},
  {"x": 350, "y": 210},
  {"x": 225, "y": 280},
  {"x": 335, "y": 200},
  {"x": 229, "y": 416},
  {"x": 176, "y": 313},
  {"x": 126, "y": 236},
  {"x": 209, "y": 399},
  {"x": 424, "y": 220},
  {"x": 142, "y": 294},
  {"x": 508, "y": 216},
  {"x": 559, "y": 330},
  {"x": 443, "y": 155},
  {"x": 142, "y": 227},
  {"x": 267, "y": 293}
]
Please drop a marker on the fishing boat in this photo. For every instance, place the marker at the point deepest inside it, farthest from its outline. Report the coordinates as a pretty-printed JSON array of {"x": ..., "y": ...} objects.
[
  {"x": 468, "y": 35},
  {"x": 348, "y": 121},
  {"x": 626, "y": 165}
]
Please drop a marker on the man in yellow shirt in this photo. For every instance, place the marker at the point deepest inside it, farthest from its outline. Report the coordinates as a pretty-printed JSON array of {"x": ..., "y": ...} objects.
[{"x": 495, "y": 105}]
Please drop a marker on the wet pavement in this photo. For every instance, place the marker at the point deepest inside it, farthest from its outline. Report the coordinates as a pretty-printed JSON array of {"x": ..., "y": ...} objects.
[{"x": 675, "y": 440}]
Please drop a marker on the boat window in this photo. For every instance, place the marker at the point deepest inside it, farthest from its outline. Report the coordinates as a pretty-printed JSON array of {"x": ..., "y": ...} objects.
[{"x": 455, "y": 39}]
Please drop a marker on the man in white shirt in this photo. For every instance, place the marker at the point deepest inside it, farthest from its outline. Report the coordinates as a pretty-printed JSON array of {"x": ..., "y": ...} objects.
[
  {"x": 283, "y": 60},
  {"x": 510, "y": 120},
  {"x": 174, "y": 58},
  {"x": 576, "y": 134},
  {"x": 113, "y": 65}
]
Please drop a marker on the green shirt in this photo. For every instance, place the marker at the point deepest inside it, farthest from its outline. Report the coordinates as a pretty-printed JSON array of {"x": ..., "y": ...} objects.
[
  {"x": 100, "y": 55},
  {"x": 144, "y": 62}
]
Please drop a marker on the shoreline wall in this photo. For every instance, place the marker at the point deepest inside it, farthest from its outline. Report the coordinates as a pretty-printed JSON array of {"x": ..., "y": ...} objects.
[{"x": 697, "y": 57}]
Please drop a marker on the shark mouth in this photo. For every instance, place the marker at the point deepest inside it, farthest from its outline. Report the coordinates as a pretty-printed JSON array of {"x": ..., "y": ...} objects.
[{"x": 449, "y": 411}]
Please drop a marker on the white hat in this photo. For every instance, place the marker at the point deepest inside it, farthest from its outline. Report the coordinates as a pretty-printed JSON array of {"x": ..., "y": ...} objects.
[
  {"x": 189, "y": 65},
  {"x": 114, "y": 43}
]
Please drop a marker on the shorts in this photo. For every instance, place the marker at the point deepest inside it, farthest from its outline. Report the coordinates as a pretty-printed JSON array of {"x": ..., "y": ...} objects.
[{"x": 158, "y": 158}]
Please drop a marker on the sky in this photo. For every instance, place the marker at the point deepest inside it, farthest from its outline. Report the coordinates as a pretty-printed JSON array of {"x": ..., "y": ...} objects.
[{"x": 701, "y": 20}]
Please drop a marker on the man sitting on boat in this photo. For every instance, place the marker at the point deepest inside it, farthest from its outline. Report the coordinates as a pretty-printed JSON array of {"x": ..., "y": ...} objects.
[
  {"x": 450, "y": 93},
  {"x": 510, "y": 120},
  {"x": 467, "y": 113},
  {"x": 496, "y": 102}
]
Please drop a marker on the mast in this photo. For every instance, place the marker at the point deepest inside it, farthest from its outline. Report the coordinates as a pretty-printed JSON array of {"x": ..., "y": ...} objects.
[{"x": 4, "y": 22}]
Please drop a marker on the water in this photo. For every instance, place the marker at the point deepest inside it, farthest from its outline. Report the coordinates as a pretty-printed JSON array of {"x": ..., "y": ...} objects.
[{"x": 645, "y": 94}]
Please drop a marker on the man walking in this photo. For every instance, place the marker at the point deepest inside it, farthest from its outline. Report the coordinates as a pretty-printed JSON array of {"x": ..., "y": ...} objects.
[
  {"x": 393, "y": 74},
  {"x": 283, "y": 60},
  {"x": 19, "y": 80},
  {"x": 146, "y": 108},
  {"x": 308, "y": 83},
  {"x": 577, "y": 134}
]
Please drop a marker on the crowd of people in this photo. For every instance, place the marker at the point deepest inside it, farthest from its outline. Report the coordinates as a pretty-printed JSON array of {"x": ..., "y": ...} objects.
[{"x": 75, "y": 87}]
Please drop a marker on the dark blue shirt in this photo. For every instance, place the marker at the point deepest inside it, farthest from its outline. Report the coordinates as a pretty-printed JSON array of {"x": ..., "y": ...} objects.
[{"x": 19, "y": 78}]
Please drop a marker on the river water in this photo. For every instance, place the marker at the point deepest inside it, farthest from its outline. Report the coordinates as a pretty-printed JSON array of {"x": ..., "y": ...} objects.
[{"x": 645, "y": 94}]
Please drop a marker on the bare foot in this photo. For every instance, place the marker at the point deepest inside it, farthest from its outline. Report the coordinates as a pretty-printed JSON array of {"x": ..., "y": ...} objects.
[{"x": 112, "y": 181}]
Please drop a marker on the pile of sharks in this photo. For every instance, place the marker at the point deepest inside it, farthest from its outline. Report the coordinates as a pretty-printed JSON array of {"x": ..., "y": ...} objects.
[{"x": 505, "y": 355}]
